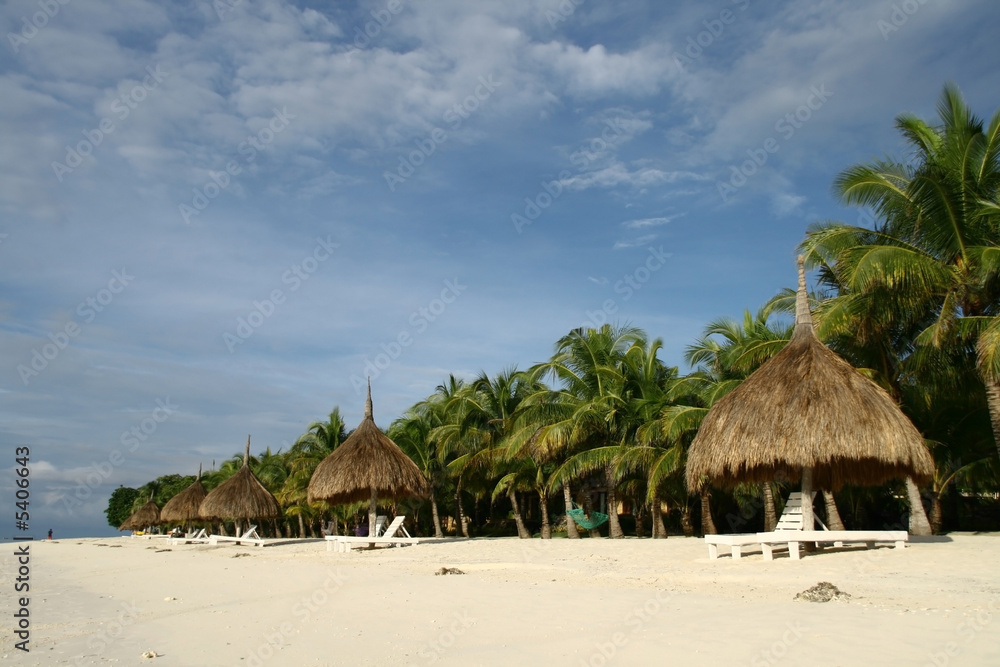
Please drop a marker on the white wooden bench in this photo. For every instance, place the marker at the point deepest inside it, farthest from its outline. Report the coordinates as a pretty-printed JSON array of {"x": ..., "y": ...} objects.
[
  {"x": 734, "y": 542},
  {"x": 793, "y": 538},
  {"x": 343, "y": 543}
]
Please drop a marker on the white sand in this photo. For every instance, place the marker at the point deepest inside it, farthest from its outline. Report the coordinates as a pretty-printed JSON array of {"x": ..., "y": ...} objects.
[{"x": 558, "y": 602}]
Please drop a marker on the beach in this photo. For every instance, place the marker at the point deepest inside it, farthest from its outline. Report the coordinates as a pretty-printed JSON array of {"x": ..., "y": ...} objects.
[{"x": 552, "y": 602}]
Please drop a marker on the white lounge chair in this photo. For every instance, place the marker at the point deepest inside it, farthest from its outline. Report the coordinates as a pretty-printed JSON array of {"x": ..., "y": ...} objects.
[
  {"x": 199, "y": 537},
  {"x": 793, "y": 538},
  {"x": 250, "y": 537},
  {"x": 343, "y": 543},
  {"x": 791, "y": 519}
]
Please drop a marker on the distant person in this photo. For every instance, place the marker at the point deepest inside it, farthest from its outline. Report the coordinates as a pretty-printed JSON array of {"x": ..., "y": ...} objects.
[{"x": 50, "y": 533}]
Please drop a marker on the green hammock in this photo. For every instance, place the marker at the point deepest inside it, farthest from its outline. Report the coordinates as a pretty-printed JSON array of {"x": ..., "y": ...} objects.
[{"x": 596, "y": 519}]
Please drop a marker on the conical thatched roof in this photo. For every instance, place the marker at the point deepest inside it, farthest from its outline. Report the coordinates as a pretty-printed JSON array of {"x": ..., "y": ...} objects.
[
  {"x": 184, "y": 506},
  {"x": 242, "y": 496},
  {"x": 144, "y": 517},
  {"x": 806, "y": 407},
  {"x": 367, "y": 461}
]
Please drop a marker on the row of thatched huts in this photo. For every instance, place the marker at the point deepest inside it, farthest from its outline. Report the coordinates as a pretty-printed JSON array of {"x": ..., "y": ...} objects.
[{"x": 367, "y": 466}]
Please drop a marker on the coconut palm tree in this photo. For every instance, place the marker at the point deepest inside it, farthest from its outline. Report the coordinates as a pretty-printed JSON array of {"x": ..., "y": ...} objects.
[
  {"x": 319, "y": 440},
  {"x": 481, "y": 420},
  {"x": 934, "y": 255},
  {"x": 588, "y": 413}
]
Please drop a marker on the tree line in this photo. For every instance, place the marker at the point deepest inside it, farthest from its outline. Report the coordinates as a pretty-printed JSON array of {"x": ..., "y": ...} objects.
[{"x": 913, "y": 302}]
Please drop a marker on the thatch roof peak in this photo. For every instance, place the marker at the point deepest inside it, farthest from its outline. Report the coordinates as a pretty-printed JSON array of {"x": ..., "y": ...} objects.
[
  {"x": 184, "y": 506},
  {"x": 806, "y": 408},
  {"x": 368, "y": 402},
  {"x": 367, "y": 461},
  {"x": 242, "y": 496}
]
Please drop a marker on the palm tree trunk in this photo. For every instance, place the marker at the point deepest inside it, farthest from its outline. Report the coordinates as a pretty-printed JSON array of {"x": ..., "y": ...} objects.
[
  {"x": 833, "y": 521},
  {"x": 588, "y": 508},
  {"x": 463, "y": 525},
  {"x": 686, "y": 525},
  {"x": 770, "y": 513},
  {"x": 614, "y": 527},
  {"x": 571, "y": 531},
  {"x": 659, "y": 530},
  {"x": 993, "y": 403},
  {"x": 640, "y": 520},
  {"x": 543, "y": 507},
  {"x": 436, "y": 517},
  {"x": 707, "y": 524},
  {"x": 522, "y": 532},
  {"x": 302, "y": 526},
  {"x": 918, "y": 518},
  {"x": 937, "y": 515}
]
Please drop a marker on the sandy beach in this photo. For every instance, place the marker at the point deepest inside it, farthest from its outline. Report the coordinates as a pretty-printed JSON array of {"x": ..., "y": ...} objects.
[{"x": 555, "y": 602}]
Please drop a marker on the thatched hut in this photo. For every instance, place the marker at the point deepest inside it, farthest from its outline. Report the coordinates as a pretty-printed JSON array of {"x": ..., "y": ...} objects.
[
  {"x": 184, "y": 507},
  {"x": 146, "y": 516},
  {"x": 242, "y": 496},
  {"x": 367, "y": 466},
  {"x": 806, "y": 414}
]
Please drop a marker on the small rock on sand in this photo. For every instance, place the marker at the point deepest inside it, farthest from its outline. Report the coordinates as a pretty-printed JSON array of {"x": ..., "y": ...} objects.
[{"x": 824, "y": 591}]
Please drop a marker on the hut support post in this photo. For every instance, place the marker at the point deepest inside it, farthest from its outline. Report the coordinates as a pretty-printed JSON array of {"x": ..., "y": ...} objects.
[
  {"x": 808, "y": 523},
  {"x": 372, "y": 512}
]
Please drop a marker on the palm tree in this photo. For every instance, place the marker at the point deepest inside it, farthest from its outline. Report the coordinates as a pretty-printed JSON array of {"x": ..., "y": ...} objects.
[
  {"x": 589, "y": 413},
  {"x": 933, "y": 258},
  {"x": 319, "y": 440},
  {"x": 412, "y": 432},
  {"x": 481, "y": 420}
]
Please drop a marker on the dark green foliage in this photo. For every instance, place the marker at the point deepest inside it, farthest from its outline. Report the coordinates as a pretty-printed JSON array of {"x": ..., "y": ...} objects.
[{"x": 120, "y": 505}]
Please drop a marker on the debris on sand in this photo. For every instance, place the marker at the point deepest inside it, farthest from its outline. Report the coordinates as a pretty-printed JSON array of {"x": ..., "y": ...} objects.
[
  {"x": 824, "y": 591},
  {"x": 449, "y": 570}
]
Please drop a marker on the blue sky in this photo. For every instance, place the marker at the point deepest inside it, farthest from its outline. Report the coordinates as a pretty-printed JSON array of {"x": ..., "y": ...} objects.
[{"x": 217, "y": 216}]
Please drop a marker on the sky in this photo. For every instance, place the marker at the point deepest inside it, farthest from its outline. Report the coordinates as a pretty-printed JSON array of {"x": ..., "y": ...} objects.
[{"x": 218, "y": 218}]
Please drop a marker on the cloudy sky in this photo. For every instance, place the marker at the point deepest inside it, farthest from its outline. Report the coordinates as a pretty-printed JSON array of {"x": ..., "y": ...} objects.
[{"x": 218, "y": 218}]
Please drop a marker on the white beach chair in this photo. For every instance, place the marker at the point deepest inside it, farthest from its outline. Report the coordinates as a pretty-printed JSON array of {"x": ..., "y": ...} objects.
[
  {"x": 199, "y": 537},
  {"x": 343, "y": 543},
  {"x": 250, "y": 537},
  {"x": 792, "y": 533},
  {"x": 790, "y": 519}
]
